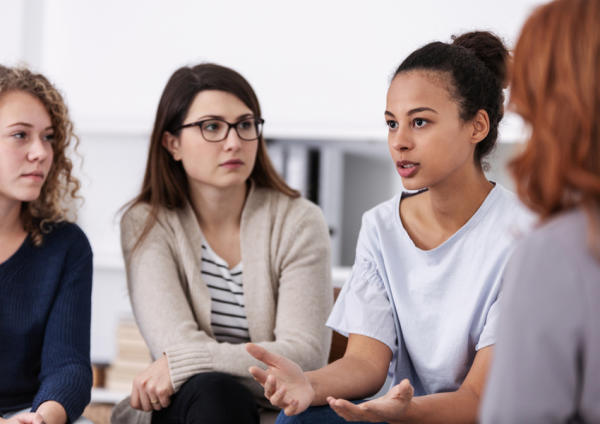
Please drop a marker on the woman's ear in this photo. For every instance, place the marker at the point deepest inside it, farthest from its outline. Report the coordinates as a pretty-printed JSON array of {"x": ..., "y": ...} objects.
[
  {"x": 481, "y": 126},
  {"x": 171, "y": 143}
]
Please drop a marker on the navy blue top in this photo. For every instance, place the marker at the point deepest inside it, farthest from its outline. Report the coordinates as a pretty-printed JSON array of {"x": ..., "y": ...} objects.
[{"x": 45, "y": 307}]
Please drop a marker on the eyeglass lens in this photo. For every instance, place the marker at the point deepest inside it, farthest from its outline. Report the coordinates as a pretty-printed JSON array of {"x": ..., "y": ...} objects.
[{"x": 216, "y": 129}]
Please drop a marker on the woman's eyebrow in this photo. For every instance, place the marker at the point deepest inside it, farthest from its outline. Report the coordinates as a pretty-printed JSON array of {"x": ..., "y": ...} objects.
[
  {"x": 420, "y": 109},
  {"x": 245, "y": 115}
]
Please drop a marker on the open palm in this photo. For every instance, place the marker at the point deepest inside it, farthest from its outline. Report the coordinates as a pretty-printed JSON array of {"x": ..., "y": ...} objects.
[
  {"x": 389, "y": 408},
  {"x": 285, "y": 384}
]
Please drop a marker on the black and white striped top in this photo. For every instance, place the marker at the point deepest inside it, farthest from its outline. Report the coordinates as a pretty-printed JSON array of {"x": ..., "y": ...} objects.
[{"x": 228, "y": 313}]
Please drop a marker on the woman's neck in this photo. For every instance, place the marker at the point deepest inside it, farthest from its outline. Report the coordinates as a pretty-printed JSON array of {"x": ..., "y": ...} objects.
[
  {"x": 12, "y": 232},
  {"x": 454, "y": 201},
  {"x": 218, "y": 208},
  {"x": 10, "y": 218}
]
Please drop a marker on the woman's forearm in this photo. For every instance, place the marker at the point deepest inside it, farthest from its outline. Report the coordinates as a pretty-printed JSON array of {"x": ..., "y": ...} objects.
[
  {"x": 347, "y": 378},
  {"x": 460, "y": 406}
]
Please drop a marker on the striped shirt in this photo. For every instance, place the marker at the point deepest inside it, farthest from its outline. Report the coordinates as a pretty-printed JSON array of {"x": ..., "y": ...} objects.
[{"x": 228, "y": 313}]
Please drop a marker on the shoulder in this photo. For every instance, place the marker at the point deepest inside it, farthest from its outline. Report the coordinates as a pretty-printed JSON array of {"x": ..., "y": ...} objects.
[
  {"x": 561, "y": 237},
  {"x": 278, "y": 205},
  {"x": 135, "y": 218},
  {"x": 508, "y": 206},
  {"x": 135, "y": 214},
  {"x": 551, "y": 259},
  {"x": 551, "y": 269},
  {"x": 505, "y": 217},
  {"x": 68, "y": 234},
  {"x": 384, "y": 213},
  {"x": 65, "y": 244}
]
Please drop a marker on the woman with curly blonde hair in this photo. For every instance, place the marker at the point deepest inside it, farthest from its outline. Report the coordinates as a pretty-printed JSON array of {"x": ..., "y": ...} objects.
[{"x": 45, "y": 261}]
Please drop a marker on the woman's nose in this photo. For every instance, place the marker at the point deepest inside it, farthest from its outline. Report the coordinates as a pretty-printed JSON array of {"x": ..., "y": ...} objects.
[{"x": 39, "y": 149}]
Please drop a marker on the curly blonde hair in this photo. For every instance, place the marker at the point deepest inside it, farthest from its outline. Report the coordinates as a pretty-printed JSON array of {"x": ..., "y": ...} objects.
[{"x": 55, "y": 202}]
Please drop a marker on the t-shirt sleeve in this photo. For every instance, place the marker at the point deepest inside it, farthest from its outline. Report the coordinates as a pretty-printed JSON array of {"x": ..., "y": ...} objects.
[
  {"x": 363, "y": 306},
  {"x": 488, "y": 334}
]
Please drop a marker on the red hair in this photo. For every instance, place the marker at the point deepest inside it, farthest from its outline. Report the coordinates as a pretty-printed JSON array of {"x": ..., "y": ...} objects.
[{"x": 555, "y": 89}]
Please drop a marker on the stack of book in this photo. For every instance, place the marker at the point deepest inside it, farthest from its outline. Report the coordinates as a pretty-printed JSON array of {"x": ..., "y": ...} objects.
[{"x": 132, "y": 358}]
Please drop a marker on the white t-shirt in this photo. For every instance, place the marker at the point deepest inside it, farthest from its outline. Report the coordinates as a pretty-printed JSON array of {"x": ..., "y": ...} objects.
[{"x": 433, "y": 308}]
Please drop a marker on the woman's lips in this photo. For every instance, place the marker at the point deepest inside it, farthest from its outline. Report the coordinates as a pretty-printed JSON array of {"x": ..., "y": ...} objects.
[
  {"x": 407, "y": 169},
  {"x": 233, "y": 163},
  {"x": 36, "y": 176}
]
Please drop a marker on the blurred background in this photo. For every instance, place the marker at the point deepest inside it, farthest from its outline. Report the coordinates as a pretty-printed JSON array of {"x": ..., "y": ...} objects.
[{"x": 319, "y": 67}]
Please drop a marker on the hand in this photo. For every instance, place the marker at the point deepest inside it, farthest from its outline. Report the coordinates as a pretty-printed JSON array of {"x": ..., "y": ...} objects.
[
  {"x": 285, "y": 384},
  {"x": 152, "y": 388},
  {"x": 389, "y": 408},
  {"x": 24, "y": 418}
]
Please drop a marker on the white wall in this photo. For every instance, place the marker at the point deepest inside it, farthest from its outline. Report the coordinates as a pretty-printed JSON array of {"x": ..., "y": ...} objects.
[
  {"x": 318, "y": 66},
  {"x": 320, "y": 69}
]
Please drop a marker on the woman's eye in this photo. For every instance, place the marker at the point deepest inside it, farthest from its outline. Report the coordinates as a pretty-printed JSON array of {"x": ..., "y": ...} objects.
[
  {"x": 245, "y": 125},
  {"x": 49, "y": 137},
  {"x": 211, "y": 126},
  {"x": 419, "y": 122},
  {"x": 19, "y": 135},
  {"x": 392, "y": 125}
]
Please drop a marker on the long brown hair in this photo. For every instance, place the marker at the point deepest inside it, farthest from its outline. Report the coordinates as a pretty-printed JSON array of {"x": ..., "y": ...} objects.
[
  {"x": 59, "y": 191},
  {"x": 165, "y": 183},
  {"x": 555, "y": 89}
]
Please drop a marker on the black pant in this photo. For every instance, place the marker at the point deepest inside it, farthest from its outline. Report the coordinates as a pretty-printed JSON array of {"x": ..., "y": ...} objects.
[{"x": 211, "y": 398}]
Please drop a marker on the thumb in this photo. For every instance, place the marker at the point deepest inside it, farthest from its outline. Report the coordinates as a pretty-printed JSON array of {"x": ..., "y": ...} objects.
[{"x": 402, "y": 391}]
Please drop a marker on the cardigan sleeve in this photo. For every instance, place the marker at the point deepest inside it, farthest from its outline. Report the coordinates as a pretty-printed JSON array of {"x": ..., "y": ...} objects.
[
  {"x": 66, "y": 374},
  {"x": 159, "y": 296}
]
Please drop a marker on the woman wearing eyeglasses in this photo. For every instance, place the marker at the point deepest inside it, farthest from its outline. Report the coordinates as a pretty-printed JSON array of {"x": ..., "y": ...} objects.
[{"x": 219, "y": 251}]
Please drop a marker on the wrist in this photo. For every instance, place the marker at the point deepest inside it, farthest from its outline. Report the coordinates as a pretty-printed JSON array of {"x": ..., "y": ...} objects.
[{"x": 313, "y": 386}]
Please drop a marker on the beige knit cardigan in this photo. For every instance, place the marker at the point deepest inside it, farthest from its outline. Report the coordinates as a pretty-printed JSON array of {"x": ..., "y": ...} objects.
[{"x": 285, "y": 252}]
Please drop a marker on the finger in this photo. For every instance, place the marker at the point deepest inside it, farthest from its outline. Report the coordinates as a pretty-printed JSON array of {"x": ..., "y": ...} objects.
[
  {"x": 155, "y": 403},
  {"x": 134, "y": 400},
  {"x": 263, "y": 355},
  {"x": 38, "y": 419},
  {"x": 270, "y": 386},
  {"x": 346, "y": 409},
  {"x": 144, "y": 400},
  {"x": 278, "y": 397},
  {"x": 259, "y": 375},
  {"x": 164, "y": 398},
  {"x": 292, "y": 408}
]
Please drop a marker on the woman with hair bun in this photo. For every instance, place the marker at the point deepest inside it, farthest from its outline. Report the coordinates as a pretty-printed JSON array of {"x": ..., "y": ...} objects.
[
  {"x": 422, "y": 297},
  {"x": 546, "y": 367},
  {"x": 45, "y": 261}
]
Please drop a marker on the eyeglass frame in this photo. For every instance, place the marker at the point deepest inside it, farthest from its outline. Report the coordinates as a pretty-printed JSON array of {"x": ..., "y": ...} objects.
[{"x": 258, "y": 121}]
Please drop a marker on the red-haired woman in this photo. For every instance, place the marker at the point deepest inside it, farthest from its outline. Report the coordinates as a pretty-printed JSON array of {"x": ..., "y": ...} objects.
[{"x": 546, "y": 366}]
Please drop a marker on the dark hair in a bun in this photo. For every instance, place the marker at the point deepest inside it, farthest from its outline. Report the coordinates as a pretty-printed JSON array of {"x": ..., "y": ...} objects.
[{"x": 477, "y": 64}]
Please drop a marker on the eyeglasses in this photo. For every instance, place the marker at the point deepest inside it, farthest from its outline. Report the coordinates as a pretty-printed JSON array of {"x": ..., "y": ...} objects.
[{"x": 215, "y": 129}]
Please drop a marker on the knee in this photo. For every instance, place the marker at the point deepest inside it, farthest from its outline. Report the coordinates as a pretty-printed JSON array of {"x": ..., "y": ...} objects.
[
  {"x": 215, "y": 385},
  {"x": 218, "y": 398}
]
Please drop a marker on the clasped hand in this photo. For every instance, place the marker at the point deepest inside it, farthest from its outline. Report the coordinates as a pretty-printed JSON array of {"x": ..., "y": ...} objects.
[{"x": 152, "y": 389}]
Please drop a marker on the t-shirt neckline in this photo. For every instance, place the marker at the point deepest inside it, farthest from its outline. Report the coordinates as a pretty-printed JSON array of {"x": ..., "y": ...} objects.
[{"x": 471, "y": 222}]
